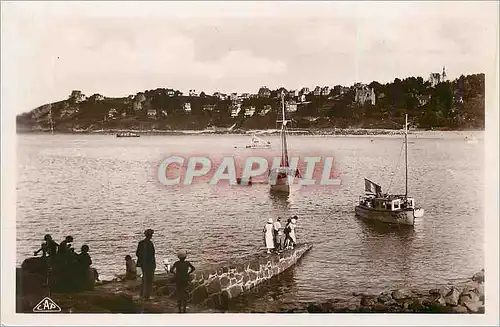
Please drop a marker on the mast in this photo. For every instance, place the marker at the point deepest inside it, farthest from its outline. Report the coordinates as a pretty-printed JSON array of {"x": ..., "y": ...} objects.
[
  {"x": 283, "y": 121},
  {"x": 406, "y": 154},
  {"x": 284, "y": 152},
  {"x": 50, "y": 118}
]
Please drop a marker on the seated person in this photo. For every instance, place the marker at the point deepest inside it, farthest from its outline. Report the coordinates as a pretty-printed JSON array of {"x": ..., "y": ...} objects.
[{"x": 130, "y": 268}]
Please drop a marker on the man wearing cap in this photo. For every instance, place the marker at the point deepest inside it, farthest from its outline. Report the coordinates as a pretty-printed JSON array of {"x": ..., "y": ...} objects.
[
  {"x": 182, "y": 269},
  {"x": 146, "y": 260}
]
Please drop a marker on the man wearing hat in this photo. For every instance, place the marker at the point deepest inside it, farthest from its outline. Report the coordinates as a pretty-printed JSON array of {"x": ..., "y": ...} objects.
[
  {"x": 146, "y": 260},
  {"x": 278, "y": 234},
  {"x": 182, "y": 269}
]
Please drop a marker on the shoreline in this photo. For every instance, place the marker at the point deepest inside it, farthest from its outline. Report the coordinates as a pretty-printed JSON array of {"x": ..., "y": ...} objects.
[
  {"x": 265, "y": 132},
  {"x": 121, "y": 296}
]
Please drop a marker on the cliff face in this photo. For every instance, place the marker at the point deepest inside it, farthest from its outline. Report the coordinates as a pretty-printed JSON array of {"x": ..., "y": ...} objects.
[{"x": 457, "y": 104}]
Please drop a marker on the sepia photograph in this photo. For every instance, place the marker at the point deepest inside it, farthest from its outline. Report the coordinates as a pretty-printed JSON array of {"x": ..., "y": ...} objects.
[{"x": 262, "y": 162}]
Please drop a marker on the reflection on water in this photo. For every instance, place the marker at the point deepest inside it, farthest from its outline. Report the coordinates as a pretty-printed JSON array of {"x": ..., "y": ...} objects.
[
  {"x": 104, "y": 192},
  {"x": 373, "y": 227},
  {"x": 280, "y": 203}
]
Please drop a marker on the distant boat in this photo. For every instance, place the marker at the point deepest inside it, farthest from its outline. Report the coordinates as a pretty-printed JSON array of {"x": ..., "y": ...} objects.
[
  {"x": 127, "y": 134},
  {"x": 471, "y": 140},
  {"x": 258, "y": 143},
  {"x": 389, "y": 208},
  {"x": 280, "y": 178}
]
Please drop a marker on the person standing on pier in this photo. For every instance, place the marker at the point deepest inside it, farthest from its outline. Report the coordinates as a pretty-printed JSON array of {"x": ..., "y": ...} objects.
[
  {"x": 182, "y": 269},
  {"x": 49, "y": 247},
  {"x": 293, "y": 237},
  {"x": 64, "y": 247},
  {"x": 278, "y": 232},
  {"x": 269, "y": 235},
  {"x": 288, "y": 240},
  {"x": 84, "y": 274},
  {"x": 146, "y": 260}
]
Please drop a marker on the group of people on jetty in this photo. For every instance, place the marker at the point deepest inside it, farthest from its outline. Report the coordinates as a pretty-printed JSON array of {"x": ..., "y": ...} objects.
[
  {"x": 74, "y": 268},
  {"x": 66, "y": 269},
  {"x": 278, "y": 238}
]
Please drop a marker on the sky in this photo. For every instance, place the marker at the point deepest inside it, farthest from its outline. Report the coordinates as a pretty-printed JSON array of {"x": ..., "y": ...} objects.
[{"x": 121, "y": 48}]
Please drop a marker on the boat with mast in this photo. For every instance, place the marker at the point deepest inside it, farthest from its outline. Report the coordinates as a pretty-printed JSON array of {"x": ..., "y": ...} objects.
[
  {"x": 258, "y": 143},
  {"x": 389, "y": 208},
  {"x": 282, "y": 177}
]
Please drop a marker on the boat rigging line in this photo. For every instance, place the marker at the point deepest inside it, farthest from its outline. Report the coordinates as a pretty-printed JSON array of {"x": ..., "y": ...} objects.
[{"x": 397, "y": 166}]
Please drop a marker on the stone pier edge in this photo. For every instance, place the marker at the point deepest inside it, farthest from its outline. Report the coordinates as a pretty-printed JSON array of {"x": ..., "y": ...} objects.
[{"x": 227, "y": 281}]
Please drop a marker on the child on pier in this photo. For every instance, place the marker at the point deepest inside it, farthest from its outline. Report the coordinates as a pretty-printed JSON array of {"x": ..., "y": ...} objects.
[{"x": 182, "y": 270}]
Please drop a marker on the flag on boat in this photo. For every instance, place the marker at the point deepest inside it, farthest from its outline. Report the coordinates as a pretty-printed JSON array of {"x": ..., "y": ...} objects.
[{"x": 372, "y": 188}]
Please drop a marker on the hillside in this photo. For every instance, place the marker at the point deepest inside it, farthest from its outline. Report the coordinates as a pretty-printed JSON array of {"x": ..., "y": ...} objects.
[{"x": 453, "y": 105}]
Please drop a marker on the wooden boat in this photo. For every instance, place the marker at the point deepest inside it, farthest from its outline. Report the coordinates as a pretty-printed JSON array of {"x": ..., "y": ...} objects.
[
  {"x": 127, "y": 134},
  {"x": 282, "y": 177},
  {"x": 389, "y": 208}
]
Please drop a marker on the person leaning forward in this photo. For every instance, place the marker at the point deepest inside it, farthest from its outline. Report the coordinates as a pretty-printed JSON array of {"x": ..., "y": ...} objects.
[
  {"x": 146, "y": 260},
  {"x": 182, "y": 270}
]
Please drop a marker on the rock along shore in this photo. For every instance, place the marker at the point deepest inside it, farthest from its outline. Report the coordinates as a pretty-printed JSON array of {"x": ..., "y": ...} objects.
[
  {"x": 122, "y": 297},
  {"x": 210, "y": 288},
  {"x": 467, "y": 297}
]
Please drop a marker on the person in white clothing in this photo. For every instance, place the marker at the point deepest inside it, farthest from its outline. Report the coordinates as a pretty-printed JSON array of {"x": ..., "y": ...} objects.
[
  {"x": 293, "y": 225},
  {"x": 269, "y": 235}
]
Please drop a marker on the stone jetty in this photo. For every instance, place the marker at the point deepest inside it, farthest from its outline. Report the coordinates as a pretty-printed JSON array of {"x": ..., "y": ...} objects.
[
  {"x": 210, "y": 288},
  {"x": 215, "y": 286}
]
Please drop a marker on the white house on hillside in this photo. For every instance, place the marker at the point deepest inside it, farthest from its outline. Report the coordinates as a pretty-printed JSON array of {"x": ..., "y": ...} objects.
[
  {"x": 249, "y": 111},
  {"x": 152, "y": 113},
  {"x": 364, "y": 94},
  {"x": 267, "y": 108},
  {"x": 436, "y": 78},
  {"x": 112, "y": 113},
  {"x": 235, "y": 110},
  {"x": 291, "y": 106},
  {"x": 77, "y": 95},
  {"x": 209, "y": 107}
]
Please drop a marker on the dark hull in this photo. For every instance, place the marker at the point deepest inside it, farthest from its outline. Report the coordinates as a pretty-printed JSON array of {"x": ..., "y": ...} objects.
[{"x": 398, "y": 217}]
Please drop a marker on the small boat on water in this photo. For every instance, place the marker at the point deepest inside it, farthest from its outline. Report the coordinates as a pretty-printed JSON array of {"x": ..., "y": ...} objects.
[
  {"x": 389, "y": 208},
  {"x": 258, "y": 143},
  {"x": 471, "y": 140},
  {"x": 127, "y": 134},
  {"x": 282, "y": 177}
]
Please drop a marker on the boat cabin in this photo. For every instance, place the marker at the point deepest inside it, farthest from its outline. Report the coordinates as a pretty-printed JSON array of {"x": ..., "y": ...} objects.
[{"x": 387, "y": 203}]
